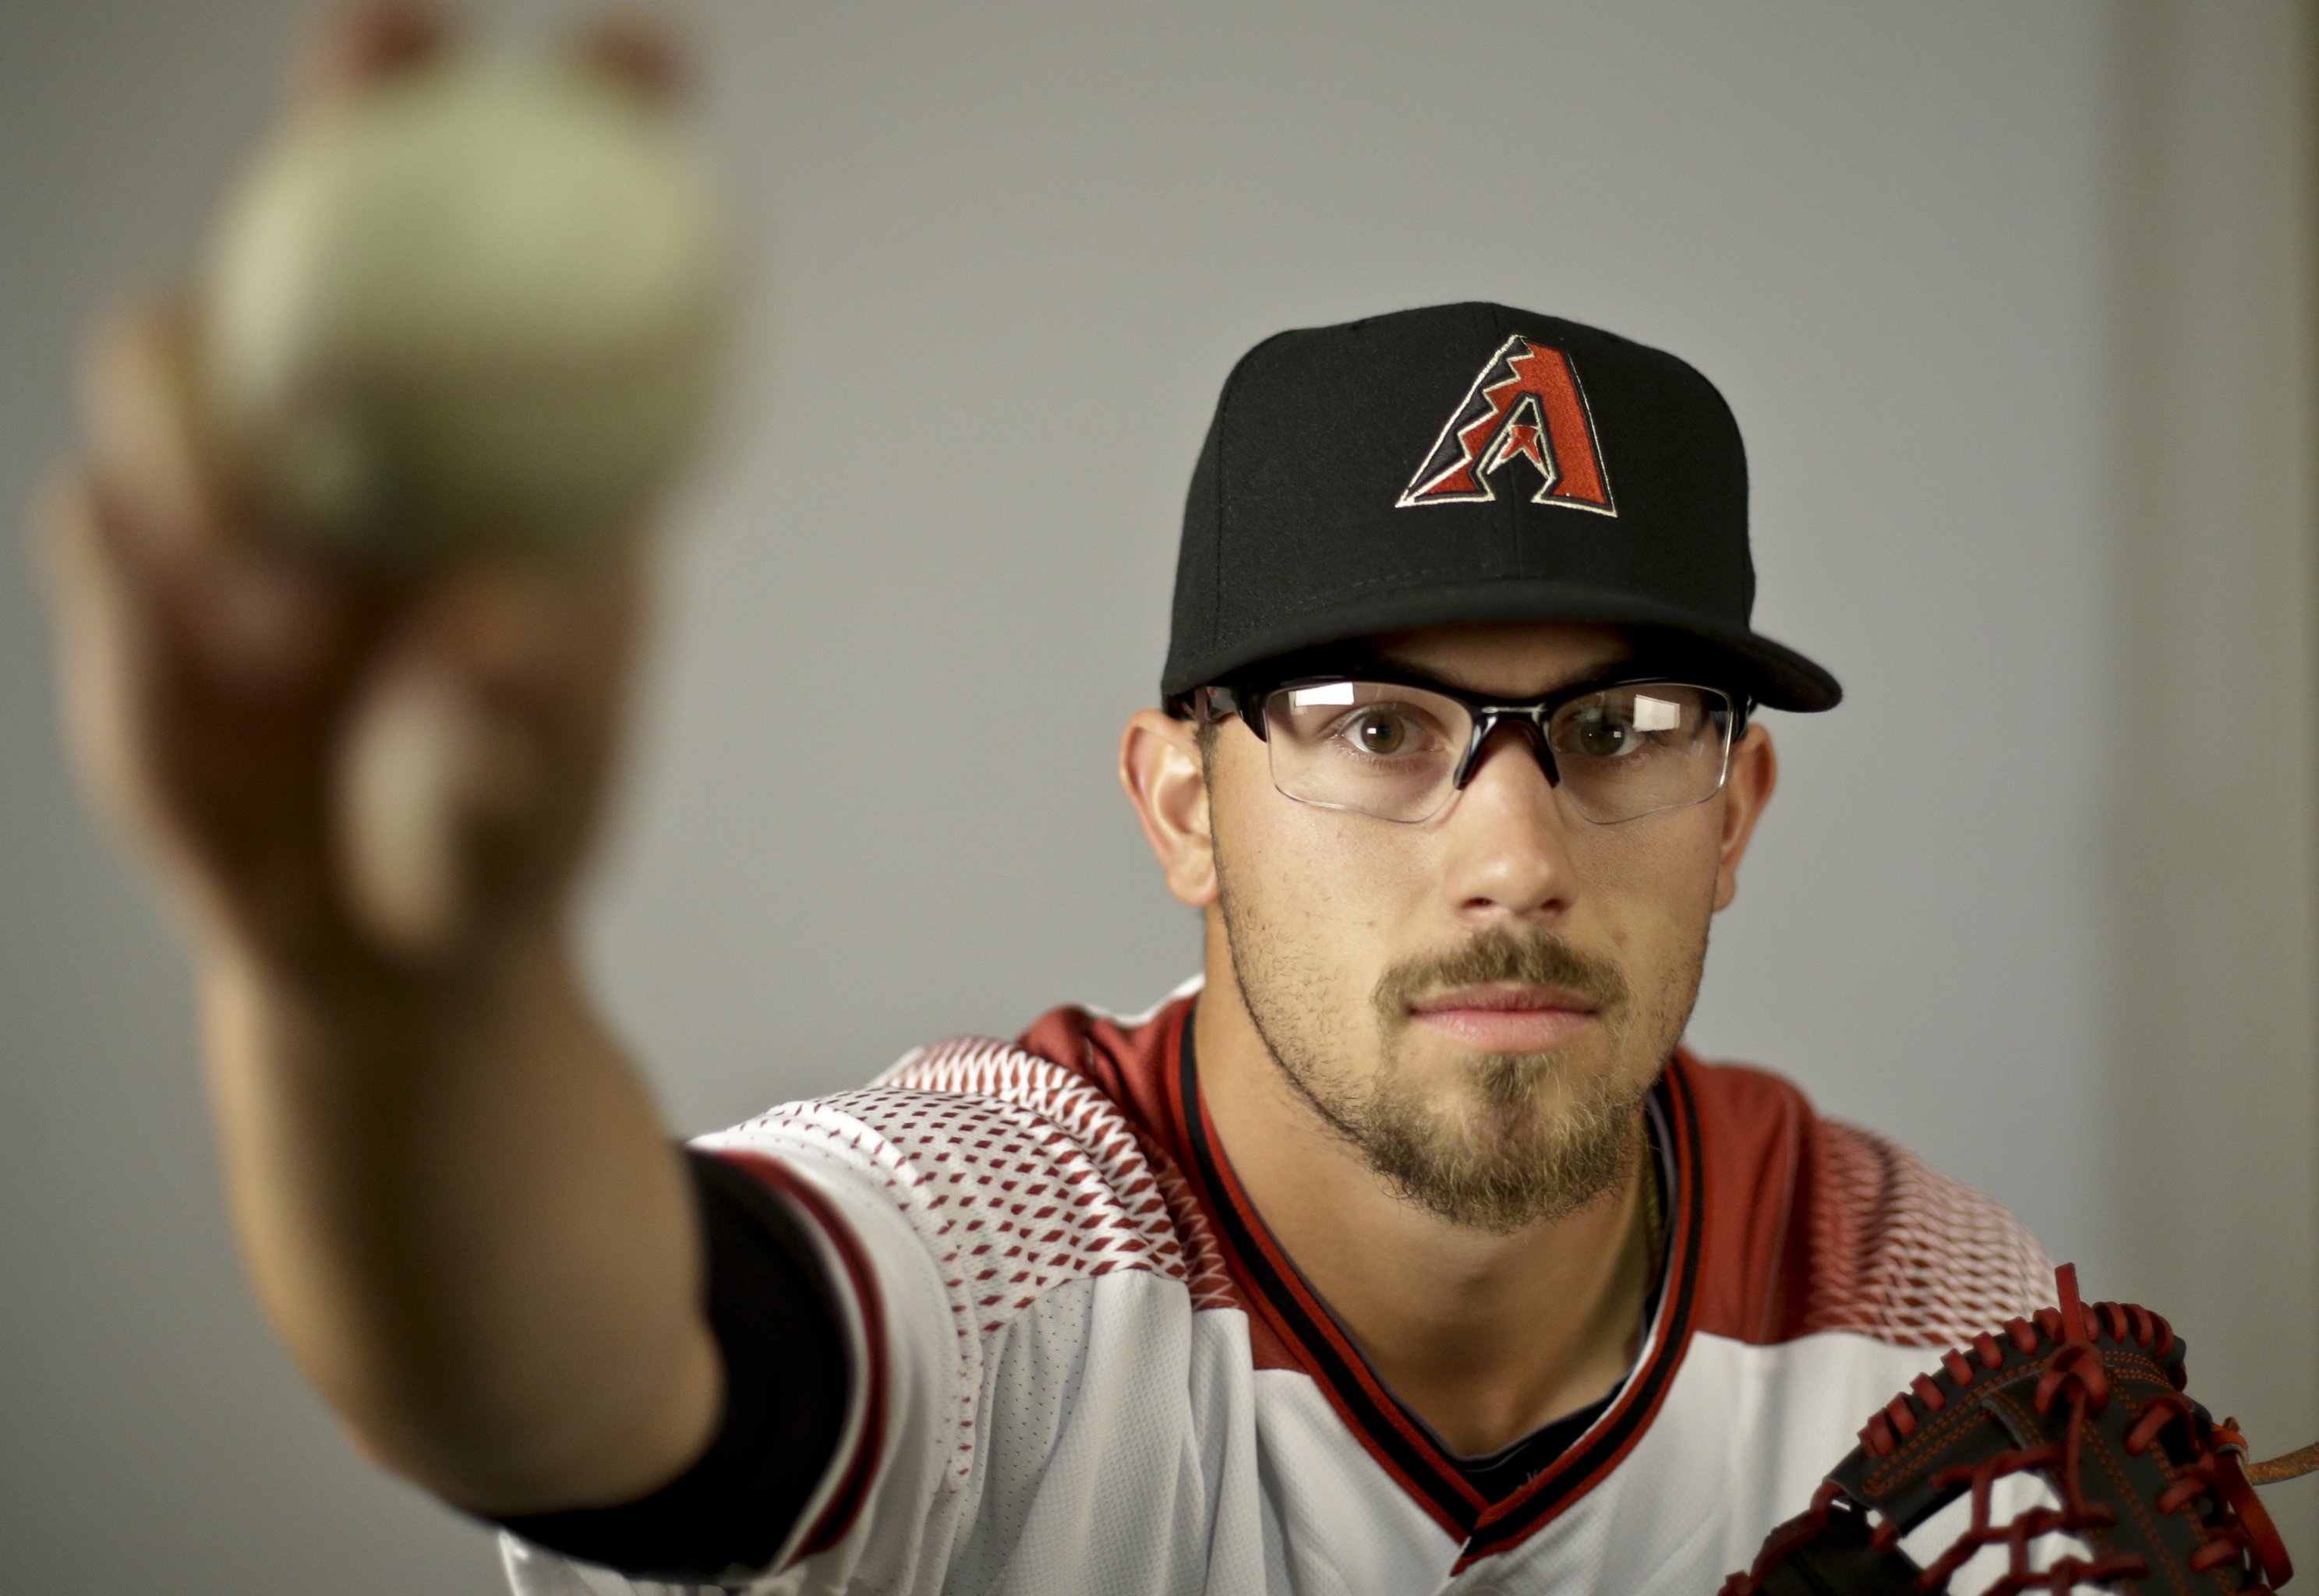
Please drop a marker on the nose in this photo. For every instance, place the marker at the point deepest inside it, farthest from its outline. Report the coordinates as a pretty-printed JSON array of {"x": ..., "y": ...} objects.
[{"x": 1507, "y": 855}]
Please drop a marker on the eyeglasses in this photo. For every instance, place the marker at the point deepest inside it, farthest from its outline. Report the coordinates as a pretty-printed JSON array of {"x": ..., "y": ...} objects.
[{"x": 1399, "y": 746}]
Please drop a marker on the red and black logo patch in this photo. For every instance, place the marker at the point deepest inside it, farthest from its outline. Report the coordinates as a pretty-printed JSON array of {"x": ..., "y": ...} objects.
[{"x": 1525, "y": 405}]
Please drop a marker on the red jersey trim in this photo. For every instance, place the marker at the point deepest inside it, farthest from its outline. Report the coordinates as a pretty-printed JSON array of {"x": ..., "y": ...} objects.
[
  {"x": 845, "y": 1503},
  {"x": 1271, "y": 1285},
  {"x": 1592, "y": 1457},
  {"x": 1785, "y": 1224}
]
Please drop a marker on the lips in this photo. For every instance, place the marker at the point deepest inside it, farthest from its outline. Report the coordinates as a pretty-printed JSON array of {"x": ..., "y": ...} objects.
[{"x": 1507, "y": 1018}]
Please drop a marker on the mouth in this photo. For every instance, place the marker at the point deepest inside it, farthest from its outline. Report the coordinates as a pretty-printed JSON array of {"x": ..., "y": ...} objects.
[{"x": 1507, "y": 1018}]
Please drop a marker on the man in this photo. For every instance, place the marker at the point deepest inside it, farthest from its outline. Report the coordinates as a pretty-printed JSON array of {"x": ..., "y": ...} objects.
[{"x": 1406, "y": 1250}]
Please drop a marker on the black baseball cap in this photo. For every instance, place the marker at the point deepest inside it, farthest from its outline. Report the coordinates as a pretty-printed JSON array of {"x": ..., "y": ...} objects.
[{"x": 1470, "y": 463}]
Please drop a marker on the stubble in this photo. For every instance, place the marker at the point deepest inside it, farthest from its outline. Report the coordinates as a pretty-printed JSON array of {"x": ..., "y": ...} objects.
[{"x": 1522, "y": 1137}]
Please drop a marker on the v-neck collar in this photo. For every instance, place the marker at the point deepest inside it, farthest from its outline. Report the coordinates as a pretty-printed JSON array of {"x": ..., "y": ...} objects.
[{"x": 1270, "y": 1284}]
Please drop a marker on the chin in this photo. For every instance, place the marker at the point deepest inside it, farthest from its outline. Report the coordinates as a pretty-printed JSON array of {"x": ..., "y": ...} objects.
[{"x": 1546, "y": 1071}]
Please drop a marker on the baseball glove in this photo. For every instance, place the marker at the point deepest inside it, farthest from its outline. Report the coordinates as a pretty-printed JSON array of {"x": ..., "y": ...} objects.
[{"x": 2082, "y": 1462}]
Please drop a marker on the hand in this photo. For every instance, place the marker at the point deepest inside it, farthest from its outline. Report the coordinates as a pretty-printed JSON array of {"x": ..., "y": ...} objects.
[{"x": 344, "y": 773}]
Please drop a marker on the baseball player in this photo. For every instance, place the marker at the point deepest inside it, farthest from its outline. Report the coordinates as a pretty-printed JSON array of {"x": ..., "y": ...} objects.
[{"x": 1405, "y": 1249}]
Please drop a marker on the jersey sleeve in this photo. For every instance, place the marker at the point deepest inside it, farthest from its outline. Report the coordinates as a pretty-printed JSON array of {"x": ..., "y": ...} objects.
[
  {"x": 1897, "y": 1251},
  {"x": 837, "y": 1185},
  {"x": 1814, "y": 1224},
  {"x": 945, "y": 1202}
]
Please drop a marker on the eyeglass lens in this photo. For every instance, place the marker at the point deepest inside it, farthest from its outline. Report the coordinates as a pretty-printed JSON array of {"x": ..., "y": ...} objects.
[{"x": 1393, "y": 750}]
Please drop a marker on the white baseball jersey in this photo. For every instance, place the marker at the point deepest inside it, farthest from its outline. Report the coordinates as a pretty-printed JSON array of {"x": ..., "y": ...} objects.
[{"x": 1086, "y": 1367}]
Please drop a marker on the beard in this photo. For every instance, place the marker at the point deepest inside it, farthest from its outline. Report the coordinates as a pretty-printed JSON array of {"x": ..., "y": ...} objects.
[{"x": 1520, "y": 1137}]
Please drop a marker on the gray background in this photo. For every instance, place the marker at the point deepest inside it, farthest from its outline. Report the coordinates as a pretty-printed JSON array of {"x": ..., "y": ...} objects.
[{"x": 2014, "y": 303}]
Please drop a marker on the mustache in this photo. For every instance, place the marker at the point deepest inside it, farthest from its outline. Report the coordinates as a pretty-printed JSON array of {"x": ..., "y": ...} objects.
[{"x": 1531, "y": 958}]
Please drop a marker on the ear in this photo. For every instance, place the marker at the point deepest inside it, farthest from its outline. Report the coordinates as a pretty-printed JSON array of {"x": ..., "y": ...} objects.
[
  {"x": 1160, "y": 767},
  {"x": 1754, "y": 773}
]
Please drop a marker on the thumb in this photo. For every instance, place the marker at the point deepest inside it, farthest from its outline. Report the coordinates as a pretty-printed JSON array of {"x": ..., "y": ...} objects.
[{"x": 434, "y": 783}]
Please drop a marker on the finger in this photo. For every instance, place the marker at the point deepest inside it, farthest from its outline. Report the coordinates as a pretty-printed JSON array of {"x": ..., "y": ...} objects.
[
  {"x": 260, "y": 619},
  {"x": 638, "y": 52},
  {"x": 478, "y": 757},
  {"x": 360, "y": 45},
  {"x": 524, "y": 628},
  {"x": 539, "y": 655},
  {"x": 140, "y": 418},
  {"x": 222, "y": 790},
  {"x": 115, "y": 661},
  {"x": 418, "y": 748}
]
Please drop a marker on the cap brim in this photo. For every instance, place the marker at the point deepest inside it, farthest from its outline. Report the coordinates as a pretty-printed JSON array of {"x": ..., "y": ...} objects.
[{"x": 1770, "y": 673}]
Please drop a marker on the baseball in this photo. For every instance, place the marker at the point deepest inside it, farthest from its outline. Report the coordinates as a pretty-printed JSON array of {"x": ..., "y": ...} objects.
[{"x": 475, "y": 305}]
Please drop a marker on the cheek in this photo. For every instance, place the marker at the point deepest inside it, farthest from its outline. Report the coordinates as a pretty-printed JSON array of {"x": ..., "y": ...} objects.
[
  {"x": 1653, "y": 892},
  {"x": 1326, "y": 900},
  {"x": 1312, "y": 866}
]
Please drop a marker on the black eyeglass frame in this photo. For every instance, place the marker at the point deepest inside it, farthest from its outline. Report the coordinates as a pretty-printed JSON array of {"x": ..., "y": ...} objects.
[{"x": 1217, "y": 702}]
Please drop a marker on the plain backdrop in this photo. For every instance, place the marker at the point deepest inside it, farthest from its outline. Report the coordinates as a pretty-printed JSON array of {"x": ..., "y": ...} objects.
[{"x": 2013, "y": 303}]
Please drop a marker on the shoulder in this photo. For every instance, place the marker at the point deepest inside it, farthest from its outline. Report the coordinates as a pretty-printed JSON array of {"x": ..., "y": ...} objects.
[
  {"x": 1814, "y": 1224},
  {"x": 1020, "y": 1166}
]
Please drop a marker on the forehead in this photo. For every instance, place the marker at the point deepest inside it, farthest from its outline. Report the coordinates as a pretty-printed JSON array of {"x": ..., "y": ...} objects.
[{"x": 1516, "y": 658}]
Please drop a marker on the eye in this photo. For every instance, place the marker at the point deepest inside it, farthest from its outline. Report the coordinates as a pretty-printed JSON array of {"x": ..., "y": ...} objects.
[
  {"x": 1383, "y": 731},
  {"x": 1375, "y": 727},
  {"x": 1601, "y": 731}
]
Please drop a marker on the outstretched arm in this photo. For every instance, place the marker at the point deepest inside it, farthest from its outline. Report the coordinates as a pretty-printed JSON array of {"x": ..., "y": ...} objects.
[{"x": 369, "y": 795}]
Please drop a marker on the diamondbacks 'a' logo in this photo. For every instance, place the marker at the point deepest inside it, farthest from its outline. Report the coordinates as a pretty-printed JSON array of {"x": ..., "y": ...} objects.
[{"x": 1525, "y": 405}]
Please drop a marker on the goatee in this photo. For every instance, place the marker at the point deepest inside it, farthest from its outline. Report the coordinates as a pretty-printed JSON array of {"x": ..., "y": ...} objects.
[{"x": 1536, "y": 1138}]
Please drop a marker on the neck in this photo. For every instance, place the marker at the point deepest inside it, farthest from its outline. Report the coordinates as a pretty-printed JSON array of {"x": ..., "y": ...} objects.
[{"x": 1484, "y": 1335}]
